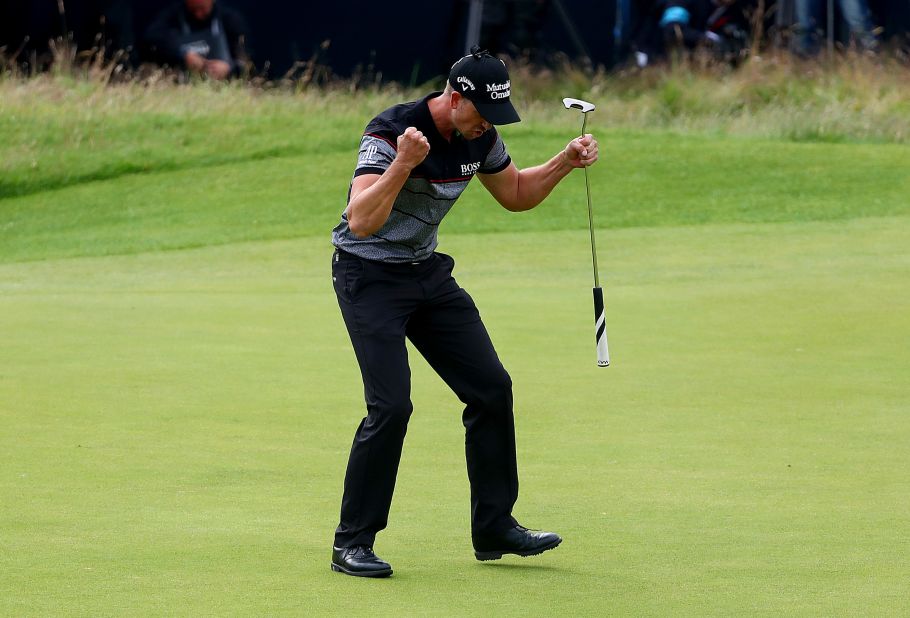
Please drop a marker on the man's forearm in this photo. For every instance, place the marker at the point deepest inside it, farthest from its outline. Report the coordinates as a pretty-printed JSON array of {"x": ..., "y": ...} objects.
[
  {"x": 368, "y": 211},
  {"x": 536, "y": 183}
]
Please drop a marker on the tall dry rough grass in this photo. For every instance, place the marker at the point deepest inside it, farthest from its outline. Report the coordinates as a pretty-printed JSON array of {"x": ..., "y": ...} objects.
[
  {"x": 849, "y": 97},
  {"x": 855, "y": 97}
]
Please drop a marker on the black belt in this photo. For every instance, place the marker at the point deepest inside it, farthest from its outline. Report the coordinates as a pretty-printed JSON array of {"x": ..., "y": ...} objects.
[{"x": 341, "y": 254}]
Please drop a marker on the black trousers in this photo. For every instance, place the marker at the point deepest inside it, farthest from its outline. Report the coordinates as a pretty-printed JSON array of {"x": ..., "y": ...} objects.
[{"x": 382, "y": 304}]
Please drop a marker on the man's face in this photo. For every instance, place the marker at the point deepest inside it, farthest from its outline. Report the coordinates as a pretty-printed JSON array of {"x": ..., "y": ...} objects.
[
  {"x": 467, "y": 119},
  {"x": 199, "y": 9}
]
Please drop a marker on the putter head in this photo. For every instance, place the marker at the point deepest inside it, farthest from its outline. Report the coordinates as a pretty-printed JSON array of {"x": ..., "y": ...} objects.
[{"x": 584, "y": 106}]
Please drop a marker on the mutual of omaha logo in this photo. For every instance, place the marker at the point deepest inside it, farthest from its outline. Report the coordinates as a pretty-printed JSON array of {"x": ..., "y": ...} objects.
[
  {"x": 465, "y": 83},
  {"x": 469, "y": 168},
  {"x": 500, "y": 91}
]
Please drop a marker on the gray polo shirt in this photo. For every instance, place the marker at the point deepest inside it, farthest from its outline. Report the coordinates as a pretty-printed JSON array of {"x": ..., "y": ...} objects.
[{"x": 410, "y": 233}]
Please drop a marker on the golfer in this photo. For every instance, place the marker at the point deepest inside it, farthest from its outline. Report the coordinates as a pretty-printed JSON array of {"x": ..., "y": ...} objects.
[{"x": 415, "y": 160}]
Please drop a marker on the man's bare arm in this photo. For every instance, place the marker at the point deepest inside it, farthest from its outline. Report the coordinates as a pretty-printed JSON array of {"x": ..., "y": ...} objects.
[
  {"x": 518, "y": 190},
  {"x": 372, "y": 195}
]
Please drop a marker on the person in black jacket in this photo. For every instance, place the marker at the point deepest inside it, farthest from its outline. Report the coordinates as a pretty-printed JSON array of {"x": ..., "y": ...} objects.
[{"x": 201, "y": 36}]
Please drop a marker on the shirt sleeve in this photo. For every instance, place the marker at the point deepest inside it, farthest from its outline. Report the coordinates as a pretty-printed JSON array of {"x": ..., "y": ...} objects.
[
  {"x": 376, "y": 154},
  {"x": 497, "y": 159}
]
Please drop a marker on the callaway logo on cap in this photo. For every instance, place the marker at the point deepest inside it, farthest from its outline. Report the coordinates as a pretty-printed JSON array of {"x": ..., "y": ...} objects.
[{"x": 484, "y": 81}]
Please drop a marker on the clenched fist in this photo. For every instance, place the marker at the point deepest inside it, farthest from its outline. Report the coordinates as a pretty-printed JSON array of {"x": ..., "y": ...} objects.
[
  {"x": 581, "y": 151},
  {"x": 413, "y": 148}
]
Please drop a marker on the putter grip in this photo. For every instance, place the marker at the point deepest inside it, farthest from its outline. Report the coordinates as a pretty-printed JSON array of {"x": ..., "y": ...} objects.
[{"x": 600, "y": 329}]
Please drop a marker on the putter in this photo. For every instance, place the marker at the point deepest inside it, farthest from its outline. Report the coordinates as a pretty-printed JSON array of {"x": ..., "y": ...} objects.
[{"x": 600, "y": 322}]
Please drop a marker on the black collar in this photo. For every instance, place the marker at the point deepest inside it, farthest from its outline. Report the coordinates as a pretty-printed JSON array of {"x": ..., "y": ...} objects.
[{"x": 423, "y": 120}]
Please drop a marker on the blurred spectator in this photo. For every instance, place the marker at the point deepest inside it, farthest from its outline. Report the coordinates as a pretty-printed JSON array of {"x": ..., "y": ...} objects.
[
  {"x": 678, "y": 25},
  {"x": 201, "y": 36},
  {"x": 809, "y": 24}
]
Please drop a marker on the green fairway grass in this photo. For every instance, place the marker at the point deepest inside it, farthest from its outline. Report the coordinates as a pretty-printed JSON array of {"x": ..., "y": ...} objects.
[
  {"x": 178, "y": 394},
  {"x": 647, "y": 180},
  {"x": 176, "y": 427}
]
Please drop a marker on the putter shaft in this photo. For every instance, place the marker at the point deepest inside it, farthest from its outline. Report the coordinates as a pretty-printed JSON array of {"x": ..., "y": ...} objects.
[{"x": 584, "y": 124}]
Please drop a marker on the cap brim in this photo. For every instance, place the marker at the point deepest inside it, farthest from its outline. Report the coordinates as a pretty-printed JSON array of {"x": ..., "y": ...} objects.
[{"x": 498, "y": 113}]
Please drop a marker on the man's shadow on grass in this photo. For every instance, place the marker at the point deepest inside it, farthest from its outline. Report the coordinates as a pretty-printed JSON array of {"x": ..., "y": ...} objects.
[{"x": 514, "y": 566}]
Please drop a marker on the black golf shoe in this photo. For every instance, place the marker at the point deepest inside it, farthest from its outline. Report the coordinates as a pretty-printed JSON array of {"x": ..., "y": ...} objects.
[
  {"x": 359, "y": 561},
  {"x": 517, "y": 540}
]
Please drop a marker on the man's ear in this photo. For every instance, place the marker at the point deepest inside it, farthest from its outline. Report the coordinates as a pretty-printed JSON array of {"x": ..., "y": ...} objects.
[{"x": 456, "y": 97}]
